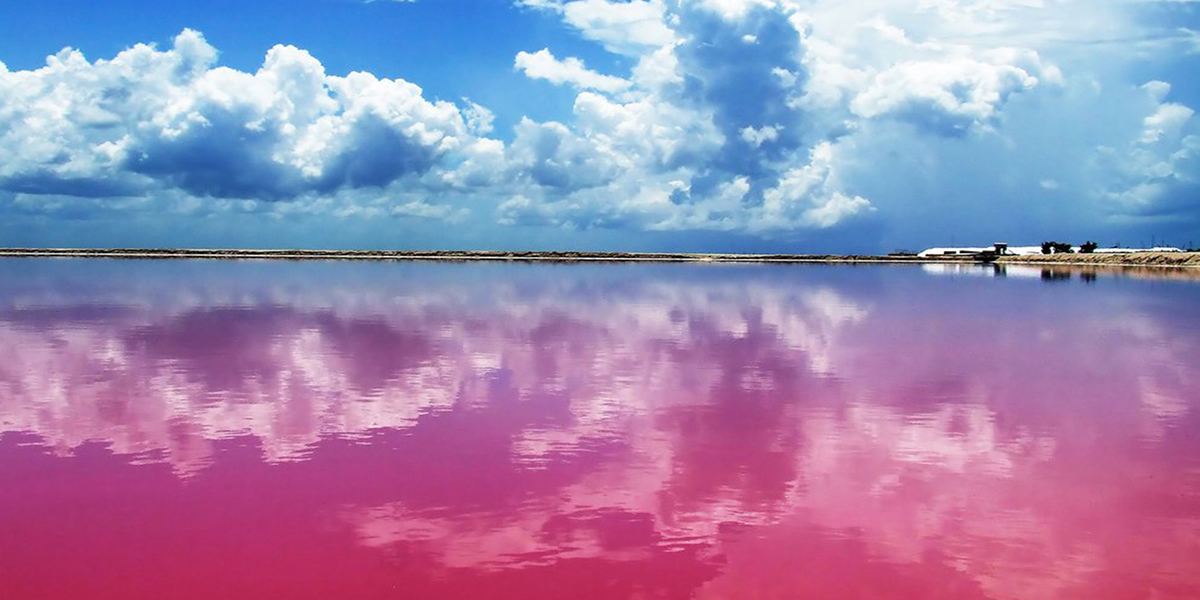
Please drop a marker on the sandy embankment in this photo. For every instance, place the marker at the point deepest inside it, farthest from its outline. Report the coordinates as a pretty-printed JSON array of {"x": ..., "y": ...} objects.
[{"x": 1141, "y": 259}]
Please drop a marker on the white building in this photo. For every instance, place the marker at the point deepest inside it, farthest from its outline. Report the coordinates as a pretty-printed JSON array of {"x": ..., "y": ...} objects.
[
  {"x": 1006, "y": 250},
  {"x": 998, "y": 247},
  {"x": 1130, "y": 250}
]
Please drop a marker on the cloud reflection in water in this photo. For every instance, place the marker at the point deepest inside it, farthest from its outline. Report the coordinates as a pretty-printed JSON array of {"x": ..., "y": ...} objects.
[{"x": 619, "y": 431}]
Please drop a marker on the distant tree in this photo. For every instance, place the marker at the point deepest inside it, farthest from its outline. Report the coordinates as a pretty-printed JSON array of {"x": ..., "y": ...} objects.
[
  {"x": 1055, "y": 248},
  {"x": 1088, "y": 247},
  {"x": 1047, "y": 247}
]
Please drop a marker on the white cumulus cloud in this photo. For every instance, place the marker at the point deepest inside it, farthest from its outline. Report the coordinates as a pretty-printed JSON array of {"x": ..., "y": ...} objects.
[
  {"x": 154, "y": 121},
  {"x": 570, "y": 71}
]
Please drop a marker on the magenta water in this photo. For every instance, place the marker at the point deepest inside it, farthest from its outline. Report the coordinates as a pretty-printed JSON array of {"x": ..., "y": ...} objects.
[{"x": 232, "y": 430}]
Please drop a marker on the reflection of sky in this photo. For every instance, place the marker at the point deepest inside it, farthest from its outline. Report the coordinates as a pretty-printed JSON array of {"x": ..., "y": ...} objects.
[{"x": 682, "y": 431}]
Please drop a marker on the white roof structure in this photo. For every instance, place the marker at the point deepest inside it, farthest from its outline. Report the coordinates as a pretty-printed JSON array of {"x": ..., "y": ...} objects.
[
  {"x": 949, "y": 251},
  {"x": 1024, "y": 250},
  {"x": 952, "y": 251},
  {"x": 1130, "y": 250}
]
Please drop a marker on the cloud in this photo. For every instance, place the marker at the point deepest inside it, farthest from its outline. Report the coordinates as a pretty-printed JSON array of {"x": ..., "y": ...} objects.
[
  {"x": 760, "y": 136},
  {"x": 172, "y": 120},
  {"x": 808, "y": 196},
  {"x": 551, "y": 156},
  {"x": 771, "y": 118},
  {"x": 945, "y": 98},
  {"x": 734, "y": 9},
  {"x": 571, "y": 71},
  {"x": 705, "y": 128},
  {"x": 630, "y": 28},
  {"x": 773, "y": 106},
  {"x": 1166, "y": 122},
  {"x": 479, "y": 119},
  {"x": 423, "y": 210},
  {"x": 1156, "y": 176}
]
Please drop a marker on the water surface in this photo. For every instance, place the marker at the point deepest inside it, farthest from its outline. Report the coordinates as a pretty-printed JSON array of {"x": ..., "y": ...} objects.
[{"x": 228, "y": 430}]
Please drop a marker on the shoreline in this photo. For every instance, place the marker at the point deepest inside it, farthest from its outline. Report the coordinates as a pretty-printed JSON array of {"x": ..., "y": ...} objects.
[
  {"x": 455, "y": 255},
  {"x": 1142, "y": 259}
]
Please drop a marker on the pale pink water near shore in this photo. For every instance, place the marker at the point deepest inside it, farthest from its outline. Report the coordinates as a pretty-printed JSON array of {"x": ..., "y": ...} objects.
[{"x": 229, "y": 430}]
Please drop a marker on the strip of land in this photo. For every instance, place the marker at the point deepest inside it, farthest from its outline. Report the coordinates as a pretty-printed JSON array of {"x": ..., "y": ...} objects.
[
  {"x": 1163, "y": 259},
  {"x": 1140, "y": 259},
  {"x": 461, "y": 255}
]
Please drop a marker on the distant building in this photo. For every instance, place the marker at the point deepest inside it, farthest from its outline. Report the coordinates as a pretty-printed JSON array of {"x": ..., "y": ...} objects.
[
  {"x": 999, "y": 248},
  {"x": 1002, "y": 249},
  {"x": 1024, "y": 250},
  {"x": 1130, "y": 250},
  {"x": 932, "y": 252}
]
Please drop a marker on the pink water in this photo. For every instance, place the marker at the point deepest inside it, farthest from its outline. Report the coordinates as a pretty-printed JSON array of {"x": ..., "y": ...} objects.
[{"x": 222, "y": 430}]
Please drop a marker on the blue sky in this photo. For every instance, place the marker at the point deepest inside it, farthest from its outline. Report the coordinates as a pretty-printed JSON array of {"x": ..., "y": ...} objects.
[{"x": 707, "y": 125}]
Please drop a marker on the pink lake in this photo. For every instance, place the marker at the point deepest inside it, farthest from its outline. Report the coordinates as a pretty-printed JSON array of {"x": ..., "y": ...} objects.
[{"x": 333, "y": 430}]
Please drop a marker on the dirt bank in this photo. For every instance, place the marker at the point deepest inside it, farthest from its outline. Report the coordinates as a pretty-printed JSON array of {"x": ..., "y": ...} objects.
[{"x": 1144, "y": 259}]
